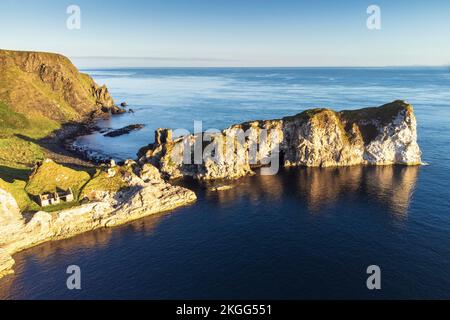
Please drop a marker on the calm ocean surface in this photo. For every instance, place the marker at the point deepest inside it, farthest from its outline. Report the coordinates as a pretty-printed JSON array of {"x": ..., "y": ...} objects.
[{"x": 306, "y": 233}]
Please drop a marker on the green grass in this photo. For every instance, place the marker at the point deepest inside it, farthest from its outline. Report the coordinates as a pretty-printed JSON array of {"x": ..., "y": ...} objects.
[
  {"x": 384, "y": 114},
  {"x": 33, "y": 126},
  {"x": 10, "y": 121},
  {"x": 306, "y": 115},
  {"x": 18, "y": 133},
  {"x": 50, "y": 177},
  {"x": 60, "y": 207},
  {"x": 33, "y": 104},
  {"x": 102, "y": 182},
  {"x": 18, "y": 153}
]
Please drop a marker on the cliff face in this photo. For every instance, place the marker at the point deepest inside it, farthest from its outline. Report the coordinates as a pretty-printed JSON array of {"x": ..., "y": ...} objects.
[
  {"x": 146, "y": 194},
  {"x": 48, "y": 85},
  {"x": 375, "y": 136},
  {"x": 315, "y": 138}
]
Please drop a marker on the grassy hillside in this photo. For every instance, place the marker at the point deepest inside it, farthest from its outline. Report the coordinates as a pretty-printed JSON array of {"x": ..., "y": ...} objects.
[
  {"x": 38, "y": 93},
  {"x": 15, "y": 149},
  {"x": 50, "y": 176},
  {"x": 47, "y": 85}
]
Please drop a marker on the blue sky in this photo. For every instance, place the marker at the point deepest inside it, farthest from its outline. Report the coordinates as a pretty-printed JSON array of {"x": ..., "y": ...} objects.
[{"x": 231, "y": 32}]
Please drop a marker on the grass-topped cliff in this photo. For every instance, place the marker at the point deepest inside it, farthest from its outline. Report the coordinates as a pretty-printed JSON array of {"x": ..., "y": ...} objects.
[
  {"x": 39, "y": 92},
  {"x": 48, "y": 87}
]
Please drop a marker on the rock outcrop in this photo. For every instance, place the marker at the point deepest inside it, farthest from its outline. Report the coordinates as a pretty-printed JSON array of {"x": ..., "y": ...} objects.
[
  {"x": 11, "y": 221},
  {"x": 124, "y": 130},
  {"x": 48, "y": 85},
  {"x": 315, "y": 138},
  {"x": 6, "y": 263},
  {"x": 146, "y": 194}
]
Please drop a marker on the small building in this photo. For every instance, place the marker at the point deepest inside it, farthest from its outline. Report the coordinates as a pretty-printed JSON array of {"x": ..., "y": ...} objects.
[
  {"x": 49, "y": 199},
  {"x": 66, "y": 196},
  {"x": 54, "y": 198}
]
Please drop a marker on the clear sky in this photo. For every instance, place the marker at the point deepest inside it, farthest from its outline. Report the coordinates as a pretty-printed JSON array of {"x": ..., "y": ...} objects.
[{"x": 232, "y": 32}]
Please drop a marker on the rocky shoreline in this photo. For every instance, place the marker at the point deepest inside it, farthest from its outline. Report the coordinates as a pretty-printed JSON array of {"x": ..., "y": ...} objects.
[
  {"x": 43, "y": 92},
  {"x": 62, "y": 141},
  {"x": 146, "y": 194},
  {"x": 315, "y": 138}
]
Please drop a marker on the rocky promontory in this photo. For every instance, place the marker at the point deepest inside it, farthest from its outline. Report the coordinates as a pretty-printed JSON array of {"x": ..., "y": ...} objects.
[
  {"x": 115, "y": 196},
  {"x": 315, "y": 138}
]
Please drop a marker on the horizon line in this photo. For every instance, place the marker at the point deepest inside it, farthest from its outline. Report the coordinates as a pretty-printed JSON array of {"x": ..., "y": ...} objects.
[
  {"x": 267, "y": 67},
  {"x": 193, "y": 59}
]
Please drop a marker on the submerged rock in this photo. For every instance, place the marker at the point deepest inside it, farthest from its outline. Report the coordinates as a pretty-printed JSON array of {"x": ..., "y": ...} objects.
[
  {"x": 117, "y": 110},
  {"x": 314, "y": 138},
  {"x": 124, "y": 130}
]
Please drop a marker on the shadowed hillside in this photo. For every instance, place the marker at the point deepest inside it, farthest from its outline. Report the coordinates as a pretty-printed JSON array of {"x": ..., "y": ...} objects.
[{"x": 47, "y": 86}]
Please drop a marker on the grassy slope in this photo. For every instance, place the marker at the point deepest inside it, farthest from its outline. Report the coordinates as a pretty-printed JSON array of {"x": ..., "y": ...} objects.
[
  {"x": 46, "y": 85},
  {"x": 102, "y": 182},
  {"x": 32, "y": 107},
  {"x": 50, "y": 176}
]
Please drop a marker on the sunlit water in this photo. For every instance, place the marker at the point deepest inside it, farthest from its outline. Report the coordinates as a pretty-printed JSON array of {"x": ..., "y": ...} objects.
[{"x": 306, "y": 233}]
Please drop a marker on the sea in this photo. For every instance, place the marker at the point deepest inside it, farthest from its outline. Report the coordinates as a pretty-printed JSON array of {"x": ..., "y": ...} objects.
[{"x": 306, "y": 233}]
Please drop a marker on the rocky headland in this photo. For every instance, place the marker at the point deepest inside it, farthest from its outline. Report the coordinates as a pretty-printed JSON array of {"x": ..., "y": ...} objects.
[
  {"x": 384, "y": 135},
  {"x": 116, "y": 195}
]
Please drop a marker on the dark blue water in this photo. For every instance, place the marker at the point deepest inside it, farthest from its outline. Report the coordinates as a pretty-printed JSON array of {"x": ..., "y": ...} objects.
[{"x": 306, "y": 233}]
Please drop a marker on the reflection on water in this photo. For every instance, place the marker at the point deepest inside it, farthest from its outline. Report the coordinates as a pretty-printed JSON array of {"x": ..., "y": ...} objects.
[
  {"x": 394, "y": 186},
  {"x": 98, "y": 239},
  {"x": 311, "y": 190},
  {"x": 319, "y": 187}
]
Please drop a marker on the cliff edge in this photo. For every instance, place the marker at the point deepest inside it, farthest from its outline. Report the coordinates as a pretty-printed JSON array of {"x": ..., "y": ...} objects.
[{"x": 48, "y": 85}]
